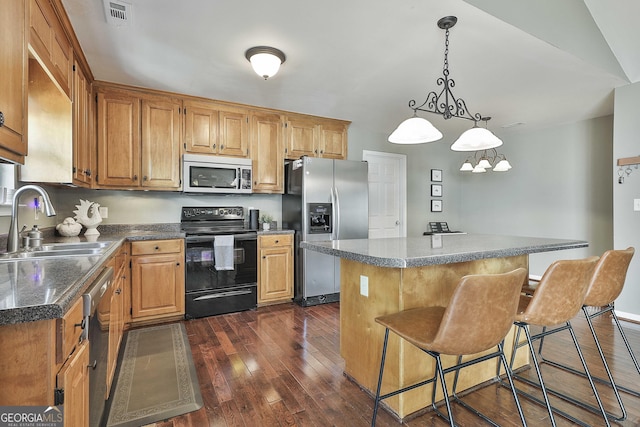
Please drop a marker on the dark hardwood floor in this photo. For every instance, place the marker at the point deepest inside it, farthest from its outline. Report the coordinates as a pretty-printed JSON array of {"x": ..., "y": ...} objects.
[{"x": 281, "y": 366}]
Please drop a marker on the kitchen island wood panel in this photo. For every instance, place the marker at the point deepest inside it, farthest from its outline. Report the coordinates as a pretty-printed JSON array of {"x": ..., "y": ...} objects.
[{"x": 408, "y": 273}]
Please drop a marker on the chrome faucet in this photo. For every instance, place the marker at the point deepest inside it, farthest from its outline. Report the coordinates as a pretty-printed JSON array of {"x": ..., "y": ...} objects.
[{"x": 12, "y": 238}]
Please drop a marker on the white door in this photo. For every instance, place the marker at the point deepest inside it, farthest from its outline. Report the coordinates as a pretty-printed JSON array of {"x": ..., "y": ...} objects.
[{"x": 387, "y": 194}]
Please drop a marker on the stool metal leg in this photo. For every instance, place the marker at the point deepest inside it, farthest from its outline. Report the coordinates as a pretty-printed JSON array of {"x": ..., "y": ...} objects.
[{"x": 384, "y": 355}]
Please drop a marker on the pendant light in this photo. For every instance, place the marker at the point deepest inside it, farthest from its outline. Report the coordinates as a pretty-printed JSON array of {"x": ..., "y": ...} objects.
[
  {"x": 484, "y": 160},
  {"x": 444, "y": 103},
  {"x": 265, "y": 60}
]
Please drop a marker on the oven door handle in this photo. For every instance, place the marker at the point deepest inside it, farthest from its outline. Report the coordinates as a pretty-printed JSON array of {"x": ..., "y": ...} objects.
[
  {"x": 200, "y": 239},
  {"x": 223, "y": 294}
]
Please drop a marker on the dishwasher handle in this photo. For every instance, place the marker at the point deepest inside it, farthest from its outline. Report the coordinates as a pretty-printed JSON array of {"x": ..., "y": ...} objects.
[{"x": 91, "y": 298}]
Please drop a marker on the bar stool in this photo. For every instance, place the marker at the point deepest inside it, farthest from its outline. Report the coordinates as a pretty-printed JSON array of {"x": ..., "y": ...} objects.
[
  {"x": 604, "y": 288},
  {"x": 556, "y": 300},
  {"x": 455, "y": 330}
]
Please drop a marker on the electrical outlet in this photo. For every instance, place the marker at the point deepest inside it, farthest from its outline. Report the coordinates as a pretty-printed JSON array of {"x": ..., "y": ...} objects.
[
  {"x": 364, "y": 286},
  {"x": 636, "y": 204},
  {"x": 103, "y": 211}
]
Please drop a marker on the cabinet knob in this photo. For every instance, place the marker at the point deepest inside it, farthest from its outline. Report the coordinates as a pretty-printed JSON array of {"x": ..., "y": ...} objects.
[
  {"x": 264, "y": 257},
  {"x": 157, "y": 248},
  {"x": 277, "y": 241},
  {"x": 222, "y": 146},
  {"x": 87, "y": 172},
  {"x": 118, "y": 291},
  {"x": 1, "y": 119},
  {"x": 93, "y": 365},
  {"x": 144, "y": 178},
  {"x": 135, "y": 177}
]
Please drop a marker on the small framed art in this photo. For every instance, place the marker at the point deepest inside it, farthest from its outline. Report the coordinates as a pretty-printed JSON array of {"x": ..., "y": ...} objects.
[
  {"x": 436, "y": 190},
  {"x": 436, "y": 206},
  {"x": 436, "y": 175}
]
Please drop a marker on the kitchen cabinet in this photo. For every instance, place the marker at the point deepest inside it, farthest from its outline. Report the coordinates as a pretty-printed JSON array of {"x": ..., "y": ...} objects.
[
  {"x": 116, "y": 311},
  {"x": 42, "y": 356},
  {"x": 275, "y": 268},
  {"x": 82, "y": 135},
  {"x": 49, "y": 43},
  {"x": 14, "y": 24},
  {"x": 157, "y": 280},
  {"x": 138, "y": 141},
  {"x": 315, "y": 137},
  {"x": 73, "y": 378},
  {"x": 211, "y": 128},
  {"x": 266, "y": 153}
]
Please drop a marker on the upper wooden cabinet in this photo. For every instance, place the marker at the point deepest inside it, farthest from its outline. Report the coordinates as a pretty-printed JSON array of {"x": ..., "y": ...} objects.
[
  {"x": 82, "y": 135},
  {"x": 266, "y": 153},
  {"x": 315, "y": 137},
  {"x": 211, "y": 128},
  {"x": 13, "y": 80},
  {"x": 49, "y": 43},
  {"x": 138, "y": 141}
]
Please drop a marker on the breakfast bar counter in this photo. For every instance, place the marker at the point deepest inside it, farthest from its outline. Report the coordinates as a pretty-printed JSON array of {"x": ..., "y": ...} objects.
[{"x": 383, "y": 276}]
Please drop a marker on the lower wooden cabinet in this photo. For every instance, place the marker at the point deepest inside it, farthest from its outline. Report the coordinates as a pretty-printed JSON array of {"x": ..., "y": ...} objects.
[
  {"x": 157, "y": 280},
  {"x": 73, "y": 378},
  {"x": 275, "y": 268}
]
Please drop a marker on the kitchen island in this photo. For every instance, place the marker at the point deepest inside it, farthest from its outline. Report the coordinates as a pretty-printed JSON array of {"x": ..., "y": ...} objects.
[{"x": 383, "y": 276}]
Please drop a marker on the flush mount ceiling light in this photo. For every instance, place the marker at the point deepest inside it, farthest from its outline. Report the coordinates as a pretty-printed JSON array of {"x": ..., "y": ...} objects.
[
  {"x": 265, "y": 60},
  {"x": 417, "y": 130}
]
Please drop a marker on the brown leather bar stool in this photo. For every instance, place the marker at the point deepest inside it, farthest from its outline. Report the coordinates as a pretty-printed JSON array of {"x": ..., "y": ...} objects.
[
  {"x": 455, "y": 330},
  {"x": 604, "y": 288},
  {"x": 556, "y": 300}
]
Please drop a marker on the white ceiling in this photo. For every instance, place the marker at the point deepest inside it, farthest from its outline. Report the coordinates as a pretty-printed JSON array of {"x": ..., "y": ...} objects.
[{"x": 539, "y": 63}]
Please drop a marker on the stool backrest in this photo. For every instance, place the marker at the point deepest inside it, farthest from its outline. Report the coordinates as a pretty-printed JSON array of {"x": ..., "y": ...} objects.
[
  {"x": 560, "y": 294},
  {"x": 480, "y": 313},
  {"x": 608, "y": 277}
]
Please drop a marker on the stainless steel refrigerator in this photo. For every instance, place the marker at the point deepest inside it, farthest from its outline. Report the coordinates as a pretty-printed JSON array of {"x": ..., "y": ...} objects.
[{"x": 324, "y": 199}]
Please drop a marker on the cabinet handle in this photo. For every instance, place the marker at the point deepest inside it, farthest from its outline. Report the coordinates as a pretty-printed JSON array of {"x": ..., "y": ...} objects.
[
  {"x": 157, "y": 248},
  {"x": 222, "y": 146},
  {"x": 277, "y": 241},
  {"x": 177, "y": 264},
  {"x": 214, "y": 145},
  {"x": 135, "y": 177},
  {"x": 315, "y": 151},
  {"x": 82, "y": 324},
  {"x": 118, "y": 291},
  {"x": 264, "y": 257},
  {"x": 87, "y": 172},
  {"x": 144, "y": 178},
  {"x": 1, "y": 119},
  {"x": 93, "y": 365}
]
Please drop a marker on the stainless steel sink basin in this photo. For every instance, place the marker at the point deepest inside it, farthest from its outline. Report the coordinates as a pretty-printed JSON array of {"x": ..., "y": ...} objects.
[{"x": 53, "y": 250}]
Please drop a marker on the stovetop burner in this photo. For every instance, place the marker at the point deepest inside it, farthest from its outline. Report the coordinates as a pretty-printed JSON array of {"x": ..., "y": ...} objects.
[{"x": 213, "y": 220}]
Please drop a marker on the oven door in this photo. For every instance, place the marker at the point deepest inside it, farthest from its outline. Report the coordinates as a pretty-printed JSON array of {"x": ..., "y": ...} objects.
[{"x": 201, "y": 273}]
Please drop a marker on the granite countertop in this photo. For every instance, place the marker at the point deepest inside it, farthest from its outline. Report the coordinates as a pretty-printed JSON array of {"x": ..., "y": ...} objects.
[
  {"x": 45, "y": 288},
  {"x": 439, "y": 249}
]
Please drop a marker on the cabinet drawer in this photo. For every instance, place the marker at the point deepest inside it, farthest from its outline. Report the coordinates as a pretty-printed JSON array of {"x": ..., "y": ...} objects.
[
  {"x": 70, "y": 330},
  {"x": 151, "y": 247},
  {"x": 276, "y": 240}
]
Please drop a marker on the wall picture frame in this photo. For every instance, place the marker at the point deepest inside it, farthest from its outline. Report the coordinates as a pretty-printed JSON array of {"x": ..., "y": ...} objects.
[
  {"x": 436, "y": 175},
  {"x": 436, "y": 205},
  {"x": 436, "y": 190}
]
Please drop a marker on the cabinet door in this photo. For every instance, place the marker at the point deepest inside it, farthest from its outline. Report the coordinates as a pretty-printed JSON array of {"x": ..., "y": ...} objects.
[
  {"x": 234, "y": 133},
  {"x": 13, "y": 80},
  {"x": 160, "y": 144},
  {"x": 74, "y": 379},
  {"x": 157, "y": 285},
  {"x": 266, "y": 153},
  {"x": 82, "y": 141},
  {"x": 118, "y": 140},
  {"x": 200, "y": 128},
  {"x": 333, "y": 141},
  {"x": 275, "y": 269},
  {"x": 301, "y": 138}
]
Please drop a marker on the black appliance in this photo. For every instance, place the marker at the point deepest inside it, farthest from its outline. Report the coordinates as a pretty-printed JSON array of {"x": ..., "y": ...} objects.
[{"x": 210, "y": 291}]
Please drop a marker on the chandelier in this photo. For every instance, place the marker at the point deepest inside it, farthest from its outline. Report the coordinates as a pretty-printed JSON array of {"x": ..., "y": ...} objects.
[
  {"x": 417, "y": 130},
  {"x": 486, "y": 159}
]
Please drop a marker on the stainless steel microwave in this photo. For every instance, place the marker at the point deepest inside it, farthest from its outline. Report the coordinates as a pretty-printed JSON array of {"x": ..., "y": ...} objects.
[{"x": 215, "y": 174}]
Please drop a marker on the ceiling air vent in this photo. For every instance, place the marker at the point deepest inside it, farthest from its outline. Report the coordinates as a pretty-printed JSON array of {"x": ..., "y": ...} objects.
[{"x": 118, "y": 13}]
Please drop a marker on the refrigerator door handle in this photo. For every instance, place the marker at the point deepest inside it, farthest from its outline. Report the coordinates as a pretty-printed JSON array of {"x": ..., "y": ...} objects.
[{"x": 335, "y": 213}]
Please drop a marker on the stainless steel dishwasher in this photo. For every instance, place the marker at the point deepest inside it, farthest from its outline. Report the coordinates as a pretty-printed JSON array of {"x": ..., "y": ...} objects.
[{"x": 97, "y": 332}]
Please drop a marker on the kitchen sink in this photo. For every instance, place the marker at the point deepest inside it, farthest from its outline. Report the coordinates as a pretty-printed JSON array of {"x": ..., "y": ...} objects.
[{"x": 54, "y": 250}]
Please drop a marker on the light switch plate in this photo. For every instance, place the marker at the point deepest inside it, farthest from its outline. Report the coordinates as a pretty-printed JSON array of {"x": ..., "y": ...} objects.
[
  {"x": 104, "y": 211},
  {"x": 364, "y": 286},
  {"x": 636, "y": 204}
]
